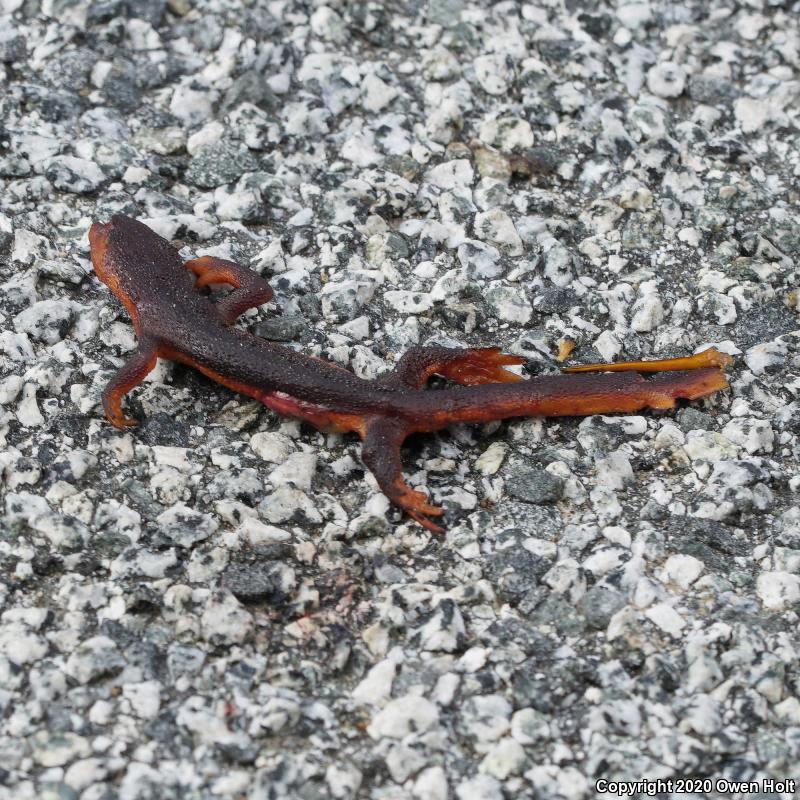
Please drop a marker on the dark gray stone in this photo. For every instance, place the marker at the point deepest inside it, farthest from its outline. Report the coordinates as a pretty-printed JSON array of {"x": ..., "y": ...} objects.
[
  {"x": 256, "y": 583},
  {"x": 121, "y": 87},
  {"x": 514, "y": 571},
  {"x": 219, "y": 163},
  {"x": 545, "y": 685},
  {"x": 599, "y": 604},
  {"x": 691, "y": 419},
  {"x": 535, "y": 486},
  {"x": 12, "y": 49},
  {"x": 710, "y": 541},
  {"x": 283, "y": 329},
  {"x": 555, "y": 301},
  {"x": 250, "y": 87}
]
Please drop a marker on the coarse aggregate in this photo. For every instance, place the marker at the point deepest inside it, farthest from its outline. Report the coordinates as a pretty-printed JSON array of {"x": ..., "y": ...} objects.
[{"x": 220, "y": 604}]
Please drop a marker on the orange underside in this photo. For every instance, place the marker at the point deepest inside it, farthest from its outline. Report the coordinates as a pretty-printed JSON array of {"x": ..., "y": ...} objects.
[{"x": 322, "y": 418}]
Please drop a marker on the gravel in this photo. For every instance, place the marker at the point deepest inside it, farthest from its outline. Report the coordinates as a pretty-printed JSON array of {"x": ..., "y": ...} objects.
[{"x": 219, "y": 603}]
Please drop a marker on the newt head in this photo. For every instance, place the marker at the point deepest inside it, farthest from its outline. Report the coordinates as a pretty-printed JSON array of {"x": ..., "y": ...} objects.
[
  {"x": 104, "y": 246},
  {"x": 125, "y": 248},
  {"x": 134, "y": 262}
]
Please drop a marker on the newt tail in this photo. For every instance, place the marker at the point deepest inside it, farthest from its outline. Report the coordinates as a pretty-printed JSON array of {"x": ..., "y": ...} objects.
[{"x": 174, "y": 319}]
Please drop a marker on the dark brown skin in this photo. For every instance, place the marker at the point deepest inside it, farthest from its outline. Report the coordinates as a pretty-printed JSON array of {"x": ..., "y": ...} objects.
[{"x": 174, "y": 320}]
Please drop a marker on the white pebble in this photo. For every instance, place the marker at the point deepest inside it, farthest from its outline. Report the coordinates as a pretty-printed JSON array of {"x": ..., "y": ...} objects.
[
  {"x": 376, "y": 686},
  {"x": 402, "y": 716},
  {"x": 666, "y": 79},
  {"x": 666, "y": 618},
  {"x": 493, "y": 73},
  {"x": 298, "y": 470},
  {"x": 777, "y": 590},
  {"x": 751, "y": 114},
  {"x": 683, "y": 570}
]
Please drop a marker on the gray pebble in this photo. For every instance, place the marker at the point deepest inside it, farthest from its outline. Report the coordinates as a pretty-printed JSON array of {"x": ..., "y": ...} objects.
[
  {"x": 535, "y": 486},
  {"x": 219, "y": 163},
  {"x": 599, "y": 604}
]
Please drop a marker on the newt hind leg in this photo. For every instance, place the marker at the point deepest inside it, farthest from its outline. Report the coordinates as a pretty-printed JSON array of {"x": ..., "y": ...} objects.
[
  {"x": 250, "y": 290},
  {"x": 380, "y": 452},
  {"x": 468, "y": 366},
  {"x": 707, "y": 358}
]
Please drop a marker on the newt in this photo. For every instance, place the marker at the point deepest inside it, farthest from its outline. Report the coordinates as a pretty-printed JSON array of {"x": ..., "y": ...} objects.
[{"x": 174, "y": 319}]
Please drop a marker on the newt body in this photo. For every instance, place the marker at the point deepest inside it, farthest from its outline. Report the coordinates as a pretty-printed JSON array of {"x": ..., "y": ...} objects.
[{"x": 174, "y": 320}]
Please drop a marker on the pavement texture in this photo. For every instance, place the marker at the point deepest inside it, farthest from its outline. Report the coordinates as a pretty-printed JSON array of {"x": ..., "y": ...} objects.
[{"x": 220, "y": 604}]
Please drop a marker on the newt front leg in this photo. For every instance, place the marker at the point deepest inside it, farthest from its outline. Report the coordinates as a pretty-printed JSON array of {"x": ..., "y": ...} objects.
[
  {"x": 250, "y": 290},
  {"x": 129, "y": 375}
]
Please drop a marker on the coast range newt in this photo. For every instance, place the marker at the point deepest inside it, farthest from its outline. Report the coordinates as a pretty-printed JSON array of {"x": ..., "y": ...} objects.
[{"x": 174, "y": 320}]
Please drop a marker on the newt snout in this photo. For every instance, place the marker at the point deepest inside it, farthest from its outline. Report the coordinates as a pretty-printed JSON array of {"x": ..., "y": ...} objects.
[
  {"x": 98, "y": 237},
  {"x": 174, "y": 319}
]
